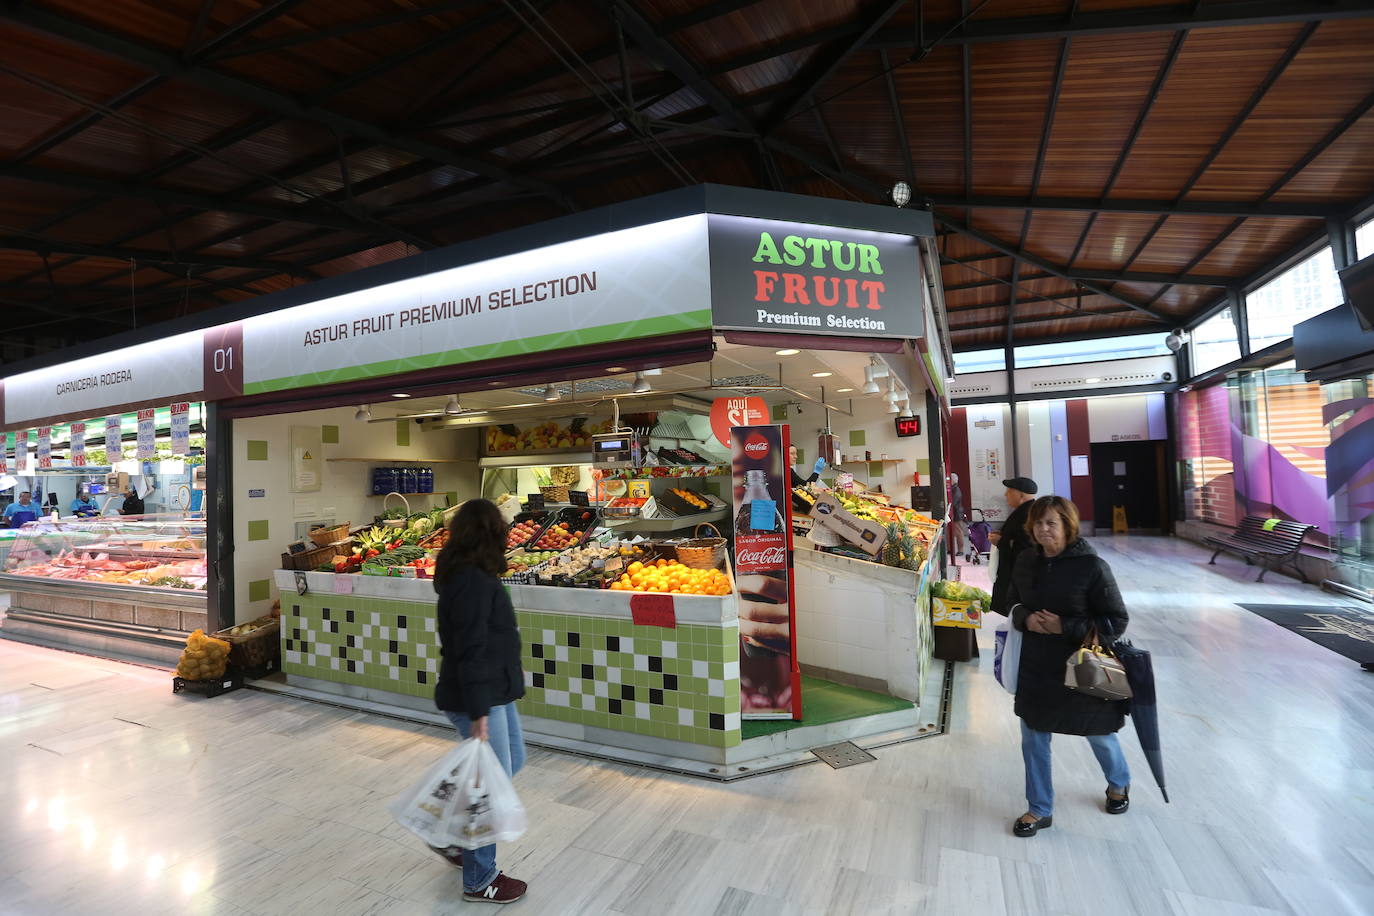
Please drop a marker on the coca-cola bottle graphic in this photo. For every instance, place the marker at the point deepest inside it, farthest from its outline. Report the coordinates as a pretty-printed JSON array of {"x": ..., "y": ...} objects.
[
  {"x": 755, "y": 487},
  {"x": 760, "y": 551}
]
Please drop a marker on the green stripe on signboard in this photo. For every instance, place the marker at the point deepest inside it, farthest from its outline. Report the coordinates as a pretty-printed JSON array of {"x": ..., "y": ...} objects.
[{"x": 631, "y": 330}]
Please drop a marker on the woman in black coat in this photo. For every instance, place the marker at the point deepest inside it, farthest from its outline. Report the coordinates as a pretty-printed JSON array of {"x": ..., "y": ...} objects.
[
  {"x": 1060, "y": 590},
  {"x": 480, "y": 677}
]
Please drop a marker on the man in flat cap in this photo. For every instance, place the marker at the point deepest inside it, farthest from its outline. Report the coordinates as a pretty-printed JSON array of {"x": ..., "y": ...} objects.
[{"x": 1013, "y": 538}]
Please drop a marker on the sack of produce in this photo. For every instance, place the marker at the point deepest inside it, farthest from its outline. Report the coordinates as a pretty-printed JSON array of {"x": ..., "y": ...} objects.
[{"x": 203, "y": 658}]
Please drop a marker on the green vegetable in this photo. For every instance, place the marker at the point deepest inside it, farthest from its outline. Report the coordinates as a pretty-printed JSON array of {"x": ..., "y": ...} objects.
[
  {"x": 171, "y": 582},
  {"x": 393, "y": 513}
]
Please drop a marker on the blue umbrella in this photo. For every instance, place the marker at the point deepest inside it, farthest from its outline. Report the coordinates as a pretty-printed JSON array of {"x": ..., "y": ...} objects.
[{"x": 1144, "y": 708}]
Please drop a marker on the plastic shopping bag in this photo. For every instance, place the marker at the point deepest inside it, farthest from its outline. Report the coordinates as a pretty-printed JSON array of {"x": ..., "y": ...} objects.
[
  {"x": 1006, "y": 661},
  {"x": 464, "y": 800}
]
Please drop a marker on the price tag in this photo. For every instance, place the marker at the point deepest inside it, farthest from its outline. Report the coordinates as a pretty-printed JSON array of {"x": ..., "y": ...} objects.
[
  {"x": 535, "y": 501},
  {"x": 763, "y": 515},
  {"x": 181, "y": 429},
  {"x": 147, "y": 431},
  {"x": 579, "y": 498},
  {"x": 78, "y": 439},
  {"x": 615, "y": 564},
  {"x": 653, "y": 611},
  {"x": 343, "y": 585}
]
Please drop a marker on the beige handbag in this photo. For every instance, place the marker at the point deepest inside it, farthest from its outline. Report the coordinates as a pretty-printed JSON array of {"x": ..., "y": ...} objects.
[{"x": 1094, "y": 670}]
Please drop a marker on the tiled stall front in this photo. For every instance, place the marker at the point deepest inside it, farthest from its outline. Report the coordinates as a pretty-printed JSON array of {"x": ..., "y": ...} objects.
[{"x": 679, "y": 683}]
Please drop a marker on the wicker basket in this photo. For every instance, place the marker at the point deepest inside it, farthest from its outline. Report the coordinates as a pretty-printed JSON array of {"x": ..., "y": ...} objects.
[
  {"x": 702, "y": 552},
  {"x": 555, "y": 493},
  {"x": 395, "y": 522},
  {"x": 325, "y": 537},
  {"x": 308, "y": 559},
  {"x": 256, "y": 649}
]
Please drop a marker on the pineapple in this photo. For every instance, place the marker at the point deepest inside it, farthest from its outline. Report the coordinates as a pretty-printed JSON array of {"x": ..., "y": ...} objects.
[{"x": 892, "y": 550}]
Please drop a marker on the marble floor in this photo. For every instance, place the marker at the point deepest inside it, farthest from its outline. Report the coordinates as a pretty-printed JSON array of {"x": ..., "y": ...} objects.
[{"x": 117, "y": 797}]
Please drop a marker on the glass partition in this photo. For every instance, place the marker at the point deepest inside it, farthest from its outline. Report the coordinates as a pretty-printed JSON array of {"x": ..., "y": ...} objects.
[
  {"x": 1214, "y": 343},
  {"x": 1309, "y": 288}
]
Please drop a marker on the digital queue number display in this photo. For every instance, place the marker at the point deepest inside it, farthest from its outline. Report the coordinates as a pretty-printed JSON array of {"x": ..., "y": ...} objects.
[{"x": 908, "y": 426}]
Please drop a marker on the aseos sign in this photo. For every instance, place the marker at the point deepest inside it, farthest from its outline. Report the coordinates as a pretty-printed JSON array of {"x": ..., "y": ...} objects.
[
  {"x": 727, "y": 413},
  {"x": 779, "y": 276}
]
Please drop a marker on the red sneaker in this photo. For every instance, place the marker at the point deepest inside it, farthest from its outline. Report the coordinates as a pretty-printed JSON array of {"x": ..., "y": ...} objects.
[{"x": 501, "y": 890}]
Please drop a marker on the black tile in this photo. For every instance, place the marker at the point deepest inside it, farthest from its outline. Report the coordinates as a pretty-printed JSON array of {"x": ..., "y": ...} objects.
[
  {"x": 392, "y": 647},
  {"x": 537, "y": 650},
  {"x": 612, "y": 643},
  {"x": 655, "y": 663},
  {"x": 295, "y": 634},
  {"x": 401, "y": 622},
  {"x": 538, "y": 679},
  {"x": 296, "y": 610},
  {"x": 352, "y": 666},
  {"x": 403, "y": 661},
  {"x": 291, "y": 644},
  {"x": 614, "y": 707},
  {"x": 627, "y": 692},
  {"x": 670, "y": 682},
  {"x": 422, "y": 677},
  {"x": 343, "y": 653},
  {"x": 348, "y": 615},
  {"x": 333, "y": 626},
  {"x": 326, "y": 613},
  {"x": 351, "y": 643},
  {"x": 718, "y": 721},
  {"x": 589, "y": 672},
  {"x": 575, "y": 640},
  {"x": 655, "y": 696},
  {"x": 305, "y": 646},
  {"x": 549, "y": 666}
]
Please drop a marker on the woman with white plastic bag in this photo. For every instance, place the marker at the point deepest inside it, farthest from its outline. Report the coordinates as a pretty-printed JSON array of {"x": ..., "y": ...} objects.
[{"x": 480, "y": 679}]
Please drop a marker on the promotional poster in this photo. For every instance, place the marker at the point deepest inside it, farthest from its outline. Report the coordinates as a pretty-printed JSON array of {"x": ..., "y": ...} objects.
[{"x": 770, "y": 678}]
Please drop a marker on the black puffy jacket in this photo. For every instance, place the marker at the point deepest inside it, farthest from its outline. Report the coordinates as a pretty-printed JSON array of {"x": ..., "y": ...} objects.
[
  {"x": 1079, "y": 587},
  {"x": 479, "y": 644},
  {"x": 1014, "y": 541}
]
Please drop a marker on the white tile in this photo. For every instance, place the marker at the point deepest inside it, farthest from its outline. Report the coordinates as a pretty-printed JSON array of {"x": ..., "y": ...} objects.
[
  {"x": 642, "y": 710},
  {"x": 641, "y": 663},
  {"x": 599, "y": 657},
  {"x": 376, "y": 619},
  {"x": 368, "y": 629},
  {"x": 547, "y": 637},
  {"x": 601, "y": 689},
  {"x": 556, "y": 697},
  {"x": 732, "y": 721},
  {"x": 420, "y": 650},
  {"x": 700, "y": 668},
  {"x": 367, "y": 653},
  {"x": 627, "y": 644},
  {"x": 670, "y": 650},
  {"x": 574, "y": 685},
  {"x": 685, "y": 717},
  {"x": 560, "y": 653},
  {"x": 732, "y": 670},
  {"x": 715, "y": 688},
  {"x": 613, "y": 675}
]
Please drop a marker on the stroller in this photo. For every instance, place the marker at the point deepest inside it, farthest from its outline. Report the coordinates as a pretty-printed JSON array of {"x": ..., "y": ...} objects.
[{"x": 979, "y": 537}]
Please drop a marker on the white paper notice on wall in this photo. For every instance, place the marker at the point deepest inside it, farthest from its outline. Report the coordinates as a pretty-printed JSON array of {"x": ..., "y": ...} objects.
[{"x": 1078, "y": 465}]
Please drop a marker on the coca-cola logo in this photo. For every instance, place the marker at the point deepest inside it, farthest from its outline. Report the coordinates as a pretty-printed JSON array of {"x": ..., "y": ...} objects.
[
  {"x": 769, "y": 556},
  {"x": 757, "y": 447}
]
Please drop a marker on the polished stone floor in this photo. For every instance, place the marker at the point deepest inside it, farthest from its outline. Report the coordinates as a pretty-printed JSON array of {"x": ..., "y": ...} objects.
[{"x": 118, "y": 798}]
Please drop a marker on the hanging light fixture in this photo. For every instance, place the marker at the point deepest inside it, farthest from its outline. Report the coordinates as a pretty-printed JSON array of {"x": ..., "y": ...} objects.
[
  {"x": 891, "y": 396},
  {"x": 893, "y": 408},
  {"x": 870, "y": 385},
  {"x": 901, "y": 193},
  {"x": 905, "y": 406},
  {"x": 364, "y": 414},
  {"x": 641, "y": 385},
  {"x": 551, "y": 393},
  {"x": 452, "y": 408}
]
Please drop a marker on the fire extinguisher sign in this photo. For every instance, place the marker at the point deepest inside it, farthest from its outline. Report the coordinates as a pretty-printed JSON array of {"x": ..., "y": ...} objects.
[{"x": 770, "y": 677}]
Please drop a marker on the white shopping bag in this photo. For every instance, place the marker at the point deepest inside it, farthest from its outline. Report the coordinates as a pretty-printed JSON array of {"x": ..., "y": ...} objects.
[
  {"x": 465, "y": 800},
  {"x": 1006, "y": 662},
  {"x": 993, "y": 559}
]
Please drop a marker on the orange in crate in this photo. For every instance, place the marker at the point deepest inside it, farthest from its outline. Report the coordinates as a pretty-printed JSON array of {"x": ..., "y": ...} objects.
[{"x": 673, "y": 578}]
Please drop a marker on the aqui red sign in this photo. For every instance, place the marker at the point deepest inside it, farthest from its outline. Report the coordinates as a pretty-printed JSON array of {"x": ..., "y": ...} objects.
[{"x": 727, "y": 413}]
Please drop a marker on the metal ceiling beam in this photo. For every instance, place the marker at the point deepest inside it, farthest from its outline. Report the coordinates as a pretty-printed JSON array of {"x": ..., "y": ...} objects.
[
  {"x": 1045, "y": 266},
  {"x": 1280, "y": 210},
  {"x": 817, "y": 71},
  {"x": 232, "y": 204},
  {"x": 1035, "y": 299},
  {"x": 283, "y": 106},
  {"x": 1272, "y": 77},
  {"x": 1175, "y": 17},
  {"x": 138, "y": 255},
  {"x": 1108, "y": 276},
  {"x": 898, "y": 120},
  {"x": 1121, "y": 312}
]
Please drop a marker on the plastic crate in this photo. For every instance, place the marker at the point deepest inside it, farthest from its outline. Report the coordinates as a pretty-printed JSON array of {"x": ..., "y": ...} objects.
[{"x": 230, "y": 680}]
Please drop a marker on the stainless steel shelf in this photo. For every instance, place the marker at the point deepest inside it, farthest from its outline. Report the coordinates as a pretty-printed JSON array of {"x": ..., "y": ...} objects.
[{"x": 666, "y": 524}]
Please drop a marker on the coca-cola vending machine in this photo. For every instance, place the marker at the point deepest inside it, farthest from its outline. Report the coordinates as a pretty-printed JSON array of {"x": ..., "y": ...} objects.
[{"x": 770, "y": 677}]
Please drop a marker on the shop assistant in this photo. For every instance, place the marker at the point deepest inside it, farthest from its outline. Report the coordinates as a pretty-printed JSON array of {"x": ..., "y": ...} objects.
[
  {"x": 132, "y": 504},
  {"x": 17, "y": 514},
  {"x": 83, "y": 506}
]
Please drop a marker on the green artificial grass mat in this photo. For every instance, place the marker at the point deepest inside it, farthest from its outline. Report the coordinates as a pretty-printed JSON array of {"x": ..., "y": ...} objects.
[{"x": 824, "y": 702}]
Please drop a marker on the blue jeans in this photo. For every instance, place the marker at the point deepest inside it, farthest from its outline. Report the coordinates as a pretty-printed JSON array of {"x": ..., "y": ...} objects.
[
  {"x": 1035, "y": 750},
  {"x": 508, "y": 741}
]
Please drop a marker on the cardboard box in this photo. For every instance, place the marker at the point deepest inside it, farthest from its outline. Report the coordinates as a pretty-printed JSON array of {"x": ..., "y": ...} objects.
[
  {"x": 863, "y": 534},
  {"x": 965, "y": 614}
]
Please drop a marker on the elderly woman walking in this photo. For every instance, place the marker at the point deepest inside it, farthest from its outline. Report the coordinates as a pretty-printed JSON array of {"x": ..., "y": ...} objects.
[{"x": 1060, "y": 590}]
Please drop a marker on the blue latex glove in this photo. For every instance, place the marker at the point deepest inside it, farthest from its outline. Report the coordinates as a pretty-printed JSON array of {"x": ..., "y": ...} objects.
[{"x": 819, "y": 465}]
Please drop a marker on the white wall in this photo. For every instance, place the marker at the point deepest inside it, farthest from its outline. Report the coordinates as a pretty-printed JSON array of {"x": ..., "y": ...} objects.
[
  {"x": 880, "y": 436},
  {"x": 345, "y": 490}
]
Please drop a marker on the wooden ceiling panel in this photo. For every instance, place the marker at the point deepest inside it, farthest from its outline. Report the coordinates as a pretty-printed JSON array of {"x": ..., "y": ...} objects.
[
  {"x": 1178, "y": 241},
  {"x": 1054, "y": 233},
  {"x": 931, "y": 94},
  {"x": 1011, "y": 86},
  {"x": 1197, "y": 104},
  {"x": 1106, "y": 83},
  {"x": 1344, "y": 172},
  {"x": 1114, "y": 236},
  {"x": 1253, "y": 245}
]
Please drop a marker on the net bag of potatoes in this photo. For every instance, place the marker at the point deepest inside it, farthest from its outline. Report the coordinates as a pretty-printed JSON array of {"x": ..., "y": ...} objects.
[{"x": 203, "y": 658}]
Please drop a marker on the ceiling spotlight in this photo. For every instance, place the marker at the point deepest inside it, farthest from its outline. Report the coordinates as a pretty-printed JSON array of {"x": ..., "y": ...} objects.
[
  {"x": 821, "y": 374},
  {"x": 787, "y": 352},
  {"x": 452, "y": 407},
  {"x": 400, "y": 394},
  {"x": 893, "y": 408},
  {"x": 364, "y": 414},
  {"x": 870, "y": 386},
  {"x": 891, "y": 396},
  {"x": 551, "y": 393},
  {"x": 641, "y": 384},
  {"x": 842, "y": 390},
  {"x": 901, "y": 193},
  {"x": 615, "y": 370},
  {"x": 906, "y": 407}
]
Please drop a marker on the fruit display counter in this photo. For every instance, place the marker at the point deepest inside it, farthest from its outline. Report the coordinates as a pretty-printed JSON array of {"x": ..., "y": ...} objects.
[{"x": 653, "y": 672}]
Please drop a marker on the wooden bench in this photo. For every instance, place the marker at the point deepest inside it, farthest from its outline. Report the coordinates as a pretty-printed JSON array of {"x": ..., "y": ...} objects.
[{"x": 1272, "y": 543}]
